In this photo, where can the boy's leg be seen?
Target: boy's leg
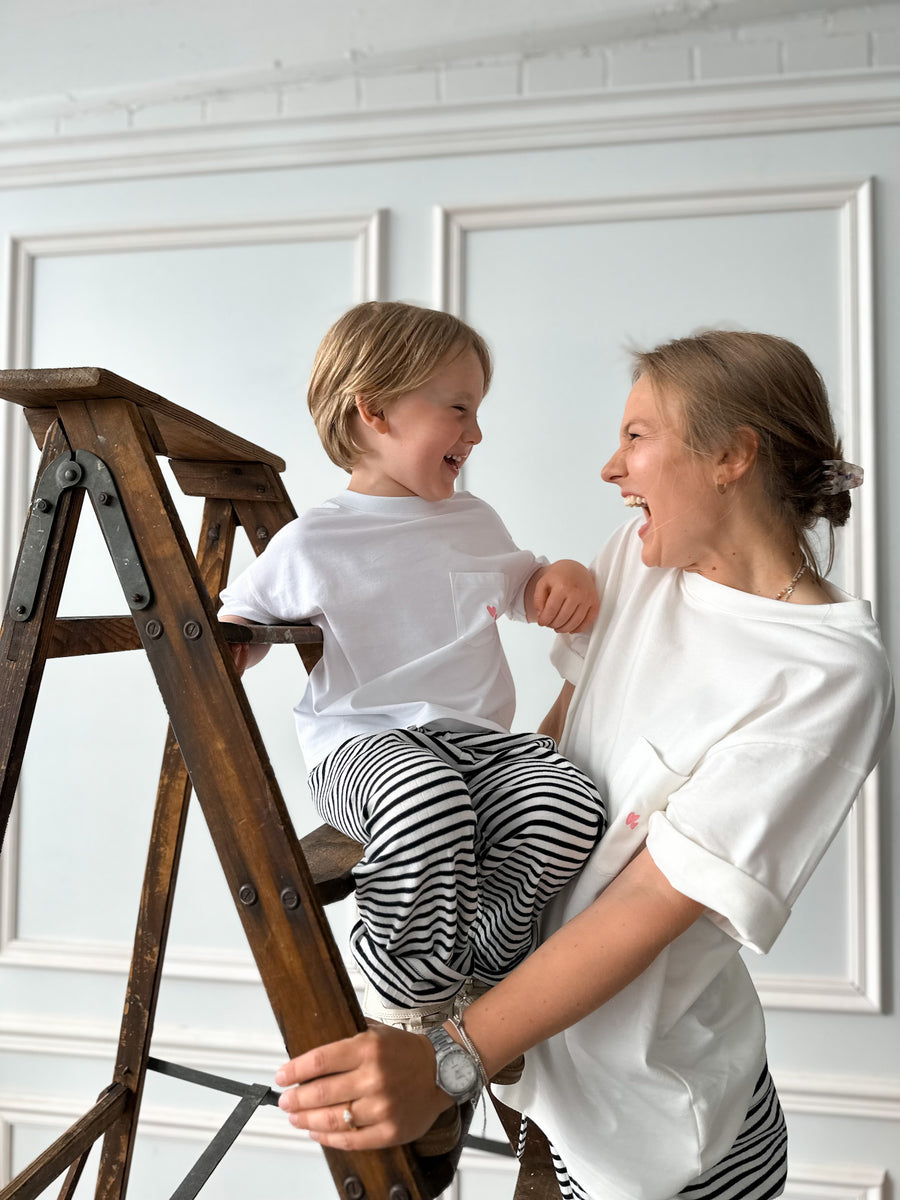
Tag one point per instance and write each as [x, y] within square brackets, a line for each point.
[416, 886]
[538, 819]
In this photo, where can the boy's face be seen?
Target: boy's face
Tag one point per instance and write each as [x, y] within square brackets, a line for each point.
[417, 446]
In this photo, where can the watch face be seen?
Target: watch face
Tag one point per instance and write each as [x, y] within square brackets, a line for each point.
[458, 1073]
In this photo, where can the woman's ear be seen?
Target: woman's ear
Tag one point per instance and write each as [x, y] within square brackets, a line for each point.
[740, 457]
[371, 419]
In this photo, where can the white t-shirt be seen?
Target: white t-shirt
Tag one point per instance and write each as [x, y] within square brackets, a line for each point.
[732, 733]
[407, 593]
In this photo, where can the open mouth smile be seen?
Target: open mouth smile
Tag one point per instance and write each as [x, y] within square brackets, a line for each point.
[633, 501]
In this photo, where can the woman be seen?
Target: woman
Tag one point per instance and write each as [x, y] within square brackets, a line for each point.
[729, 703]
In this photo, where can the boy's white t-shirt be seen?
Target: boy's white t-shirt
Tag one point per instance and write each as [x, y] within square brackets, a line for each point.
[407, 593]
[731, 733]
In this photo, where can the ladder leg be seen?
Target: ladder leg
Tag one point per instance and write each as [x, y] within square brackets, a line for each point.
[157, 897]
[144, 978]
[24, 645]
[300, 966]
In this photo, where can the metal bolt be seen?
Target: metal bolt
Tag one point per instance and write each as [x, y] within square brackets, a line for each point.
[290, 899]
[398, 1192]
[260, 489]
[21, 610]
[247, 895]
[191, 630]
[104, 498]
[70, 474]
[136, 598]
[41, 505]
[353, 1188]
[153, 629]
[262, 533]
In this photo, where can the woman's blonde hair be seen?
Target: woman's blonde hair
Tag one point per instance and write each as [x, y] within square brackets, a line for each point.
[381, 350]
[723, 381]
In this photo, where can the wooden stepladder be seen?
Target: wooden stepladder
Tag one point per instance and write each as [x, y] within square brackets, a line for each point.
[101, 435]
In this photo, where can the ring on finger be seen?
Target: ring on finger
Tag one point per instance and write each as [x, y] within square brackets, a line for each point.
[348, 1117]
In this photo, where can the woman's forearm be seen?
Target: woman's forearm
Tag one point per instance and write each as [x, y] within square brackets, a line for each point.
[584, 964]
[555, 720]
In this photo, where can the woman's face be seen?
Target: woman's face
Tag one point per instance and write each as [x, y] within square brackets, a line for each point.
[674, 486]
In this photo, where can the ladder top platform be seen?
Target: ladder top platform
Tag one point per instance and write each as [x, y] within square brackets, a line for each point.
[175, 432]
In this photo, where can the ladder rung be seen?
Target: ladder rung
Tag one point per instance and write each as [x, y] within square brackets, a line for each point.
[106, 635]
[304, 634]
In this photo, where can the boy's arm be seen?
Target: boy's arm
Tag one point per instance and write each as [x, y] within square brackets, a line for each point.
[245, 654]
[563, 596]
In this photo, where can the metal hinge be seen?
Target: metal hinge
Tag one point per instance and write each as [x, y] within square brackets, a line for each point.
[85, 470]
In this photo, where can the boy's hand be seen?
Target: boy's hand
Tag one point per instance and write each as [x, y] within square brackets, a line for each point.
[245, 654]
[563, 596]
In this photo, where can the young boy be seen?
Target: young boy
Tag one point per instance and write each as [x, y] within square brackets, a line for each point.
[468, 829]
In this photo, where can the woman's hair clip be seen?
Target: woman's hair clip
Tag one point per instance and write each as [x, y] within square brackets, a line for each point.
[839, 476]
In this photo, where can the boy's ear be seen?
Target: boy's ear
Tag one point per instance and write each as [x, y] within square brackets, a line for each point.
[372, 419]
[740, 457]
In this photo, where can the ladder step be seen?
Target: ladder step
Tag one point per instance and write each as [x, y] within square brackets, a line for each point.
[331, 857]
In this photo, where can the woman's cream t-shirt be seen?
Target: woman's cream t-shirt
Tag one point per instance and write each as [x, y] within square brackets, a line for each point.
[730, 733]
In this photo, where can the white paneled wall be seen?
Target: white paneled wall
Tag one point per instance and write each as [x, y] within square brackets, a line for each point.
[567, 199]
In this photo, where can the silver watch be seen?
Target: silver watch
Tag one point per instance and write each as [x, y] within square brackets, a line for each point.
[457, 1072]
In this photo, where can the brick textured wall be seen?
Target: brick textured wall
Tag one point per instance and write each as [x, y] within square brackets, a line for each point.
[856, 38]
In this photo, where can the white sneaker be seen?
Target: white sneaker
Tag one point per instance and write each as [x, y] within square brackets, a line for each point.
[425, 1016]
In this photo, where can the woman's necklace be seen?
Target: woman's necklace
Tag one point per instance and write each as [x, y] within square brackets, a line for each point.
[785, 593]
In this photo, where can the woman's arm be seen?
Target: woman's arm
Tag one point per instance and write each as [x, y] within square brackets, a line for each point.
[388, 1076]
[555, 720]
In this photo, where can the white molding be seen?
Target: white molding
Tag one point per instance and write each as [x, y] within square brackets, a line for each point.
[860, 991]
[194, 963]
[833, 1182]
[862, 1097]
[270, 1130]
[267, 1129]
[239, 1051]
[367, 232]
[848, 99]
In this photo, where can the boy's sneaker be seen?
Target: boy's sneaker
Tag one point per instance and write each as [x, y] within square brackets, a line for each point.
[470, 991]
[424, 1016]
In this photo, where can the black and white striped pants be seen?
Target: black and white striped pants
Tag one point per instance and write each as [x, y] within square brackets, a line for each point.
[755, 1168]
[467, 836]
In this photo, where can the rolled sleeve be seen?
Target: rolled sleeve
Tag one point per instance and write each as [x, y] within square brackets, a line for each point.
[739, 904]
[744, 833]
[567, 655]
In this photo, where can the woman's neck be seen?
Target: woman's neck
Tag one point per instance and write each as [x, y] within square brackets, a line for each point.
[760, 558]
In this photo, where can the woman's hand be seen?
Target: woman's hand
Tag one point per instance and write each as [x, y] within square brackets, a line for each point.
[384, 1078]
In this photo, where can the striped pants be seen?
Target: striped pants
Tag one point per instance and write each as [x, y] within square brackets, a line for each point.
[467, 836]
[755, 1168]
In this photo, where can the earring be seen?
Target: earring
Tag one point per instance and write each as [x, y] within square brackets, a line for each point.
[721, 487]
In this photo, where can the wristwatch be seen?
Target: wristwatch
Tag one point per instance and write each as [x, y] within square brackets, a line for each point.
[457, 1072]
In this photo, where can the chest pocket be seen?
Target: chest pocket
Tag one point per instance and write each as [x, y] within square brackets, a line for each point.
[479, 598]
[641, 786]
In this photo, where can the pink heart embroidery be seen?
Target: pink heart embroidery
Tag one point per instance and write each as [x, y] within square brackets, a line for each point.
[632, 820]
[492, 610]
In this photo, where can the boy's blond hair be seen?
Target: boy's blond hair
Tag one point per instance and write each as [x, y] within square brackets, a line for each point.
[380, 350]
